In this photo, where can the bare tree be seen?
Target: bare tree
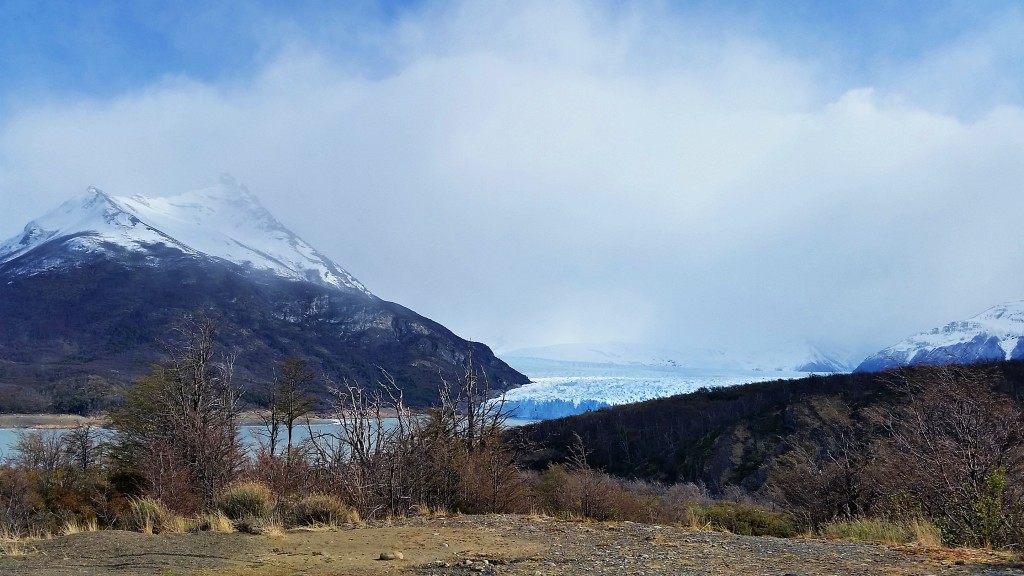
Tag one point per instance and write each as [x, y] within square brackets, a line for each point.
[366, 458]
[290, 400]
[477, 415]
[84, 445]
[178, 426]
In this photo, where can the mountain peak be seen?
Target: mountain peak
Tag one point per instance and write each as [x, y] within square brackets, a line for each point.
[223, 221]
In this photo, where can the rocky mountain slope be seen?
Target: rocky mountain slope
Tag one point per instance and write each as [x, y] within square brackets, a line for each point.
[89, 291]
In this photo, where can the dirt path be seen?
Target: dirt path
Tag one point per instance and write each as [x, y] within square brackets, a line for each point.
[514, 545]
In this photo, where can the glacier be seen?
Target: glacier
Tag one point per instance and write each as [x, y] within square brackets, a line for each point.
[561, 387]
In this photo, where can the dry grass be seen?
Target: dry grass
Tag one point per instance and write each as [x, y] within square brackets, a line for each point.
[150, 516]
[272, 528]
[321, 510]
[925, 533]
[13, 545]
[214, 522]
[247, 500]
[914, 531]
[75, 526]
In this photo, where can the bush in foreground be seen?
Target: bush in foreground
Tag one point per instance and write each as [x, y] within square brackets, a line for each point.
[750, 520]
[150, 516]
[247, 500]
[321, 510]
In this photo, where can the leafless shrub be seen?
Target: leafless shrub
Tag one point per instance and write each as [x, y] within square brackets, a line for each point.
[955, 449]
[384, 459]
[825, 473]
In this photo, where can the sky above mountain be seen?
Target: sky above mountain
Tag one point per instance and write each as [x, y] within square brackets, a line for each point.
[532, 173]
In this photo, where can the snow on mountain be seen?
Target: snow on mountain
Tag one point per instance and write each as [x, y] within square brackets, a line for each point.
[221, 221]
[569, 379]
[995, 334]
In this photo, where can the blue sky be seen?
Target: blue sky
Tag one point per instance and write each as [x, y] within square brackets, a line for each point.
[102, 48]
[675, 173]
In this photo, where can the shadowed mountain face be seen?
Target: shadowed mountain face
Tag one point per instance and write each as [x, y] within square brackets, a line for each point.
[89, 303]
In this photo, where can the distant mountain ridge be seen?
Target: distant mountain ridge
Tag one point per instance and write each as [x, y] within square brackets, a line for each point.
[995, 334]
[787, 356]
[88, 291]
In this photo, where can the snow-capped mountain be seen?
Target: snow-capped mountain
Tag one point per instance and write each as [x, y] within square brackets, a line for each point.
[222, 221]
[89, 291]
[995, 334]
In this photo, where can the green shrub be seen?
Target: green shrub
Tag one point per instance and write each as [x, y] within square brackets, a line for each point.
[247, 500]
[749, 520]
[321, 509]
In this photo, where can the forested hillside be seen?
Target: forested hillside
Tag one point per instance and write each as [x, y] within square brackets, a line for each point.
[943, 441]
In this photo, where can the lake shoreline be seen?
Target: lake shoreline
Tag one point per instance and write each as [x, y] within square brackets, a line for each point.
[53, 421]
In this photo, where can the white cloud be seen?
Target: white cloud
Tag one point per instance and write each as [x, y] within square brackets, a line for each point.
[536, 173]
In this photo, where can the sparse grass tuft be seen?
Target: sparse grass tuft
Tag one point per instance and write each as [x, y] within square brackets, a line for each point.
[13, 545]
[259, 526]
[214, 522]
[425, 511]
[914, 531]
[150, 516]
[75, 526]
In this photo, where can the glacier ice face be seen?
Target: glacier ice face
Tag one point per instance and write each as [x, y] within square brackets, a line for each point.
[563, 387]
[221, 221]
[532, 409]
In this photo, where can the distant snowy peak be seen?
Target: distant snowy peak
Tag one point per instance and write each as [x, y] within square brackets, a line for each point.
[995, 334]
[788, 356]
[222, 221]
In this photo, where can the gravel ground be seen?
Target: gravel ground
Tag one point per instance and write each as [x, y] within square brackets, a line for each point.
[648, 550]
[488, 545]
